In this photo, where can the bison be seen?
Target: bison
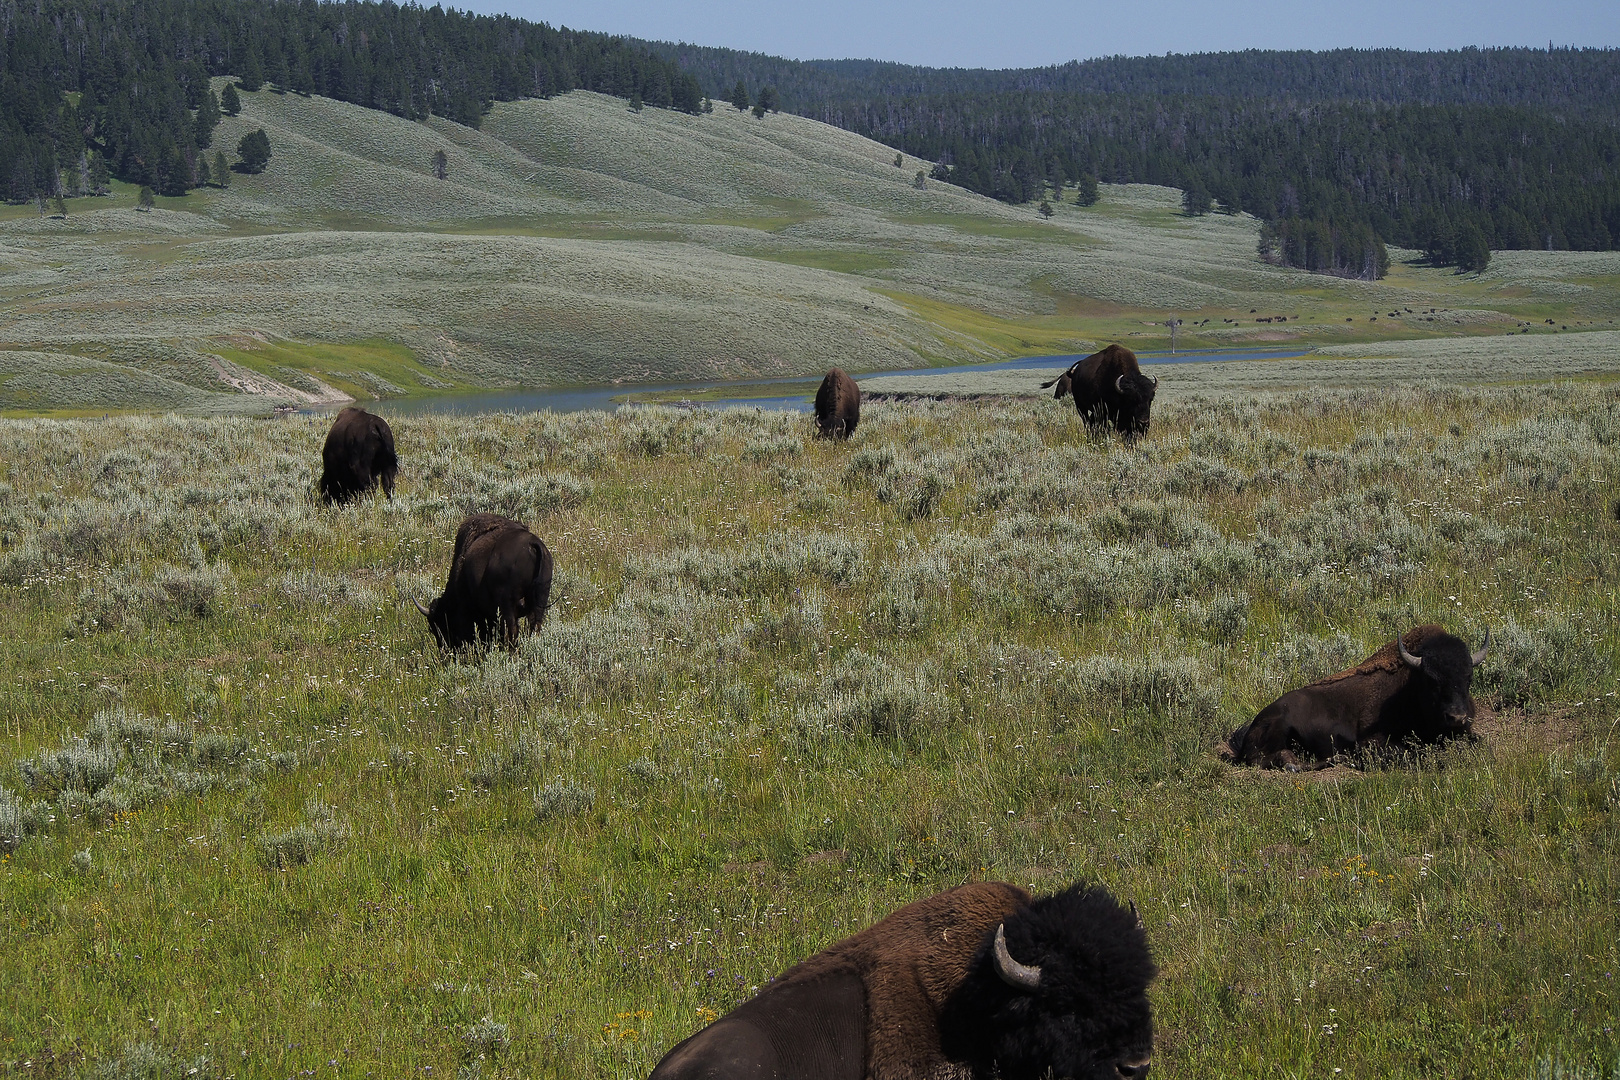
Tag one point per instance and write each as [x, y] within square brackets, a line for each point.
[981, 981]
[1415, 689]
[499, 570]
[838, 405]
[358, 455]
[1109, 387]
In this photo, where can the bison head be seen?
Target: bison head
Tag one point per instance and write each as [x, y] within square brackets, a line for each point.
[449, 632]
[1446, 668]
[1133, 393]
[1059, 989]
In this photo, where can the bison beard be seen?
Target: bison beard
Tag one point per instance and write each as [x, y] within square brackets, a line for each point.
[1109, 388]
[358, 455]
[499, 570]
[1413, 690]
[977, 982]
[838, 405]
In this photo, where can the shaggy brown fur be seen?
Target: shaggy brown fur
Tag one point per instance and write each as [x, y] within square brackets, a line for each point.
[838, 405]
[911, 962]
[1109, 388]
[358, 455]
[499, 572]
[1380, 702]
[917, 996]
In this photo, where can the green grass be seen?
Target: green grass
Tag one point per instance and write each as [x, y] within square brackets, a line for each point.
[361, 369]
[253, 817]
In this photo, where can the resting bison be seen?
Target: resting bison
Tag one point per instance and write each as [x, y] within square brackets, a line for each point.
[499, 570]
[838, 405]
[1109, 387]
[1412, 690]
[936, 991]
[359, 454]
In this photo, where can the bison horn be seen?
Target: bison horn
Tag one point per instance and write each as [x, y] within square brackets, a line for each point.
[1155, 380]
[1411, 661]
[420, 607]
[1011, 971]
[1117, 383]
[1479, 657]
[1137, 915]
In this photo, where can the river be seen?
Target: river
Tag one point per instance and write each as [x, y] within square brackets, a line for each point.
[713, 392]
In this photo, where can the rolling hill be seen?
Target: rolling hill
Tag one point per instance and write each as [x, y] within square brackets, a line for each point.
[576, 241]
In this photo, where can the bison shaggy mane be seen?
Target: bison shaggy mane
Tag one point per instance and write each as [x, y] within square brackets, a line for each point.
[1088, 1017]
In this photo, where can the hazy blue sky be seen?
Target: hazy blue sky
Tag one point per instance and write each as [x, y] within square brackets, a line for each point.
[1036, 32]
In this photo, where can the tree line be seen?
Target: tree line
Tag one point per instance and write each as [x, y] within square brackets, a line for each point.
[1584, 82]
[123, 85]
[1339, 152]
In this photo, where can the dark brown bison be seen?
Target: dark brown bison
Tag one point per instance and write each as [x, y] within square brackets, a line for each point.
[499, 570]
[838, 405]
[1413, 690]
[1109, 388]
[358, 455]
[976, 982]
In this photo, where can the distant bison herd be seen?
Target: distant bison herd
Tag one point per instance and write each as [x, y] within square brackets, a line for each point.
[984, 981]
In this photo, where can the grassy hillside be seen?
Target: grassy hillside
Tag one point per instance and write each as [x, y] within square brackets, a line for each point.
[254, 825]
[576, 241]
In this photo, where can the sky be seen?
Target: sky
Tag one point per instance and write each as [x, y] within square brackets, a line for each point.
[1033, 33]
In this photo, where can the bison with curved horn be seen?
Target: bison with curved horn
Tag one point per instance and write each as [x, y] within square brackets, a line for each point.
[358, 455]
[499, 571]
[838, 405]
[1413, 690]
[981, 981]
[1109, 388]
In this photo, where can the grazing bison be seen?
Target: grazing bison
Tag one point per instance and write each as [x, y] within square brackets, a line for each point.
[358, 455]
[978, 982]
[1412, 690]
[499, 570]
[1109, 387]
[838, 405]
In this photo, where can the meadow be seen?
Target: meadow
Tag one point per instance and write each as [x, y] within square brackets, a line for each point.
[577, 242]
[255, 825]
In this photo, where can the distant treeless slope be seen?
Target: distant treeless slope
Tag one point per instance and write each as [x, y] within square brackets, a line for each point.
[573, 240]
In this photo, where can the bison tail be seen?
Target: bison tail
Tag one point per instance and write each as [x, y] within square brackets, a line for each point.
[1050, 383]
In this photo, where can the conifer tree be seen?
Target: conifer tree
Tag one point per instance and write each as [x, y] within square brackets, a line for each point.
[230, 103]
[254, 150]
[221, 171]
[1087, 195]
[144, 200]
[206, 120]
[739, 96]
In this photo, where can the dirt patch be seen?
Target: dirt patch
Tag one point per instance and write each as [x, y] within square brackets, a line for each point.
[1557, 727]
[754, 871]
[246, 381]
[831, 857]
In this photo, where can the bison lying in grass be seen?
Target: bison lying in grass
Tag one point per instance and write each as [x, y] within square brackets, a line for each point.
[981, 981]
[1413, 690]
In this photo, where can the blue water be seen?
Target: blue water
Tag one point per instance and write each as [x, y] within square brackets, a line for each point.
[578, 398]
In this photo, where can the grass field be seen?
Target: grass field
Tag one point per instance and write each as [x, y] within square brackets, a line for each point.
[254, 825]
[576, 242]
